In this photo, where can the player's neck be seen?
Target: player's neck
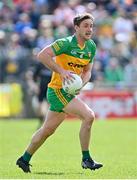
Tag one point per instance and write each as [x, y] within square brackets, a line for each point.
[81, 41]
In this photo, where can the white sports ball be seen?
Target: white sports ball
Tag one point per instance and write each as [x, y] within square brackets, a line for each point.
[72, 86]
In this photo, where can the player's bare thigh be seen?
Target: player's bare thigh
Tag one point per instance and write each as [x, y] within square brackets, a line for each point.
[53, 120]
[79, 108]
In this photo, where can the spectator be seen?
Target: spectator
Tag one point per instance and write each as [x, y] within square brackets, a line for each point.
[22, 23]
[113, 72]
[130, 73]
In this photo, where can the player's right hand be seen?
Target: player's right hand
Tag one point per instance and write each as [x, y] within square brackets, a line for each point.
[66, 75]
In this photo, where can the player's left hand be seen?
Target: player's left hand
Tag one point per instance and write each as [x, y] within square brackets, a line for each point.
[77, 92]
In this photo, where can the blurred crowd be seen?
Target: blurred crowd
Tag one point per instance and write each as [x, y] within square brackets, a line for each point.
[26, 26]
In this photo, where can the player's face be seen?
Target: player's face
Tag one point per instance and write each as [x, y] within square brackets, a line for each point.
[85, 29]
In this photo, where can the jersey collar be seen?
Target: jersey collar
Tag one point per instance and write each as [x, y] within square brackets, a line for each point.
[75, 43]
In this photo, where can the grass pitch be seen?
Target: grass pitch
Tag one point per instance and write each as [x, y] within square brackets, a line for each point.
[114, 143]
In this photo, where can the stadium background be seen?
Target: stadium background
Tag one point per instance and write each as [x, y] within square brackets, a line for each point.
[26, 26]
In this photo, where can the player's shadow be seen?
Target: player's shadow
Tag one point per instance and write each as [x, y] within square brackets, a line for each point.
[50, 173]
[56, 173]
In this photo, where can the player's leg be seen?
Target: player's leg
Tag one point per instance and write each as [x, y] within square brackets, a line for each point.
[76, 106]
[79, 108]
[53, 120]
[42, 111]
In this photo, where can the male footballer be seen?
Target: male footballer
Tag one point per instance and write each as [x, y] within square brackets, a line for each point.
[71, 54]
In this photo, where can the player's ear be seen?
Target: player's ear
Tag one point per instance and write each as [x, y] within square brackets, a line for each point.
[76, 27]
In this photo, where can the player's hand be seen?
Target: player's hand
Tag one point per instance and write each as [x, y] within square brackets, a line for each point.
[66, 75]
[77, 92]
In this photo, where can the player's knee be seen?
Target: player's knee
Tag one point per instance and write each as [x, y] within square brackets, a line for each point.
[90, 118]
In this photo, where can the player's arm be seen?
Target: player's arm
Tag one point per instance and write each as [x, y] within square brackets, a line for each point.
[86, 74]
[46, 56]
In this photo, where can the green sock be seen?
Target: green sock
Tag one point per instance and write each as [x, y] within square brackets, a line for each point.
[26, 156]
[85, 155]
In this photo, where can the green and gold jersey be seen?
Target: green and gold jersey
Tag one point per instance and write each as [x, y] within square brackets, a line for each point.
[70, 56]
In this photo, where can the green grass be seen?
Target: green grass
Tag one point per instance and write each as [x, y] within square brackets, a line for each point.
[114, 143]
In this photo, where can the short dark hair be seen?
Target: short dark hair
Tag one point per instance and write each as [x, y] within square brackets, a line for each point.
[79, 18]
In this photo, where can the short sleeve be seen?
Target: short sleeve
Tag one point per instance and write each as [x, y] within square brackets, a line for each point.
[60, 46]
